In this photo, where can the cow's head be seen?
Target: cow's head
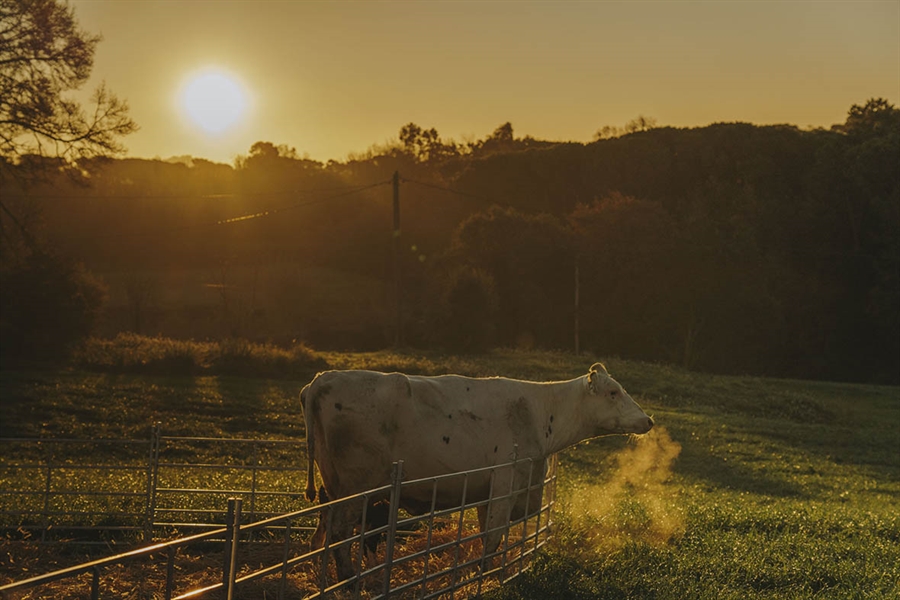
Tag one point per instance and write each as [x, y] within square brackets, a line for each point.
[612, 409]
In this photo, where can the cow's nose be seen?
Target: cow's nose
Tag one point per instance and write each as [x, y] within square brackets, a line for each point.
[649, 423]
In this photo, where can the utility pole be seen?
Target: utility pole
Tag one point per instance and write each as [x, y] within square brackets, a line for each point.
[577, 302]
[398, 315]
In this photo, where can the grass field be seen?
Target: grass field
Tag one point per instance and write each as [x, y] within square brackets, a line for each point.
[748, 487]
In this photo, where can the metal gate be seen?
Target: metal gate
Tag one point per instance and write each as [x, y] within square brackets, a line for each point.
[444, 554]
[89, 490]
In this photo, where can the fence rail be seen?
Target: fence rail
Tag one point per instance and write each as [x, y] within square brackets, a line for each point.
[57, 487]
[443, 554]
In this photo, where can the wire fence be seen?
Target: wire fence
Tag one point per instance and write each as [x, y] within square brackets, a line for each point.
[90, 490]
[432, 554]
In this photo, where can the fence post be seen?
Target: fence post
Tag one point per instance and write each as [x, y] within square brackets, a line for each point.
[254, 466]
[396, 480]
[152, 473]
[282, 585]
[95, 583]
[170, 572]
[459, 530]
[45, 514]
[232, 537]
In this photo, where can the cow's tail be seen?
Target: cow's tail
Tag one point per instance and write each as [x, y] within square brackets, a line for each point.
[310, 447]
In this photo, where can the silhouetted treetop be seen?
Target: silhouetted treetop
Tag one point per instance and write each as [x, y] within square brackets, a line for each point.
[876, 116]
[43, 55]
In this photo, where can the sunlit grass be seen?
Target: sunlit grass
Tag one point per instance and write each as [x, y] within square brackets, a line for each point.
[130, 353]
[781, 489]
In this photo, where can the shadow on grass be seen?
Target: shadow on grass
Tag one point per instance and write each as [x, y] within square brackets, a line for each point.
[732, 475]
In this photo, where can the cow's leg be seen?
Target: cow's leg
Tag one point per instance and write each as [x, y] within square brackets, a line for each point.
[377, 515]
[495, 525]
[530, 499]
[494, 517]
[318, 538]
[341, 530]
[508, 497]
[342, 524]
[343, 518]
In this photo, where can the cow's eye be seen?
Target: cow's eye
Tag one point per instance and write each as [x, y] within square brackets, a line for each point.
[613, 393]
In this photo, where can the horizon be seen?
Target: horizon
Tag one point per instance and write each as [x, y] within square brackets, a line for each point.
[335, 79]
[184, 158]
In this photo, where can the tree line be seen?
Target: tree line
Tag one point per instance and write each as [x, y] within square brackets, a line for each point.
[729, 248]
[732, 247]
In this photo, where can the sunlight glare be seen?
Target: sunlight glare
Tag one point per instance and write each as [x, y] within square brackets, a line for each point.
[214, 101]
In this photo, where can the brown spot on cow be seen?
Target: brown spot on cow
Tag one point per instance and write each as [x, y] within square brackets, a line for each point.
[525, 432]
[519, 417]
[320, 392]
[340, 431]
[315, 400]
[470, 415]
[388, 428]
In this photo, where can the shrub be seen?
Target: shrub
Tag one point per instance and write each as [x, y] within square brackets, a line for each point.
[240, 357]
[131, 353]
[466, 311]
[47, 305]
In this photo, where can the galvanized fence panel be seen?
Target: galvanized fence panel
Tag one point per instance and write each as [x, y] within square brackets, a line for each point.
[268, 474]
[45, 488]
[424, 556]
[91, 490]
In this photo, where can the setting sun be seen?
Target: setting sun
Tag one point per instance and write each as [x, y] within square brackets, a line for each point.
[214, 101]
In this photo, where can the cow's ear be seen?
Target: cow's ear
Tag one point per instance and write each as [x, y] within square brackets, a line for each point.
[599, 368]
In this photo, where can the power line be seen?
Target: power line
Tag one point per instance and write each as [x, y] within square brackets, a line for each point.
[172, 196]
[274, 211]
[248, 217]
[444, 189]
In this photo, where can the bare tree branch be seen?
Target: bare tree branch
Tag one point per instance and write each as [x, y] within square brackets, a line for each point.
[43, 56]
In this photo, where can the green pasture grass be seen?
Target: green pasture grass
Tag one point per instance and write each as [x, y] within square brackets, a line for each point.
[748, 487]
[762, 488]
[77, 404]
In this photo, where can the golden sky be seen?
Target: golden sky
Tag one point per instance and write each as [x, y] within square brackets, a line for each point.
[334, 77]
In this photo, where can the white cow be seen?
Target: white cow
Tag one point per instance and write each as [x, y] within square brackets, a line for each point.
[358, 423]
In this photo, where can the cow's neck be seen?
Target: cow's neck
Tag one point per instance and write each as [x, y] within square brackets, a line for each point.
[564, 422]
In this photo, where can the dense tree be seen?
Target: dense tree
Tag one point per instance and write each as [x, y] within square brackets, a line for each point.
[47, 302]
[869, 194]
[43, 56]
[730, 248]
[629, 269]
[463, 310]
[529, 257]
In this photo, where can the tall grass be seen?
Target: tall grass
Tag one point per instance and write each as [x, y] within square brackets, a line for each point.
[130, 353]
